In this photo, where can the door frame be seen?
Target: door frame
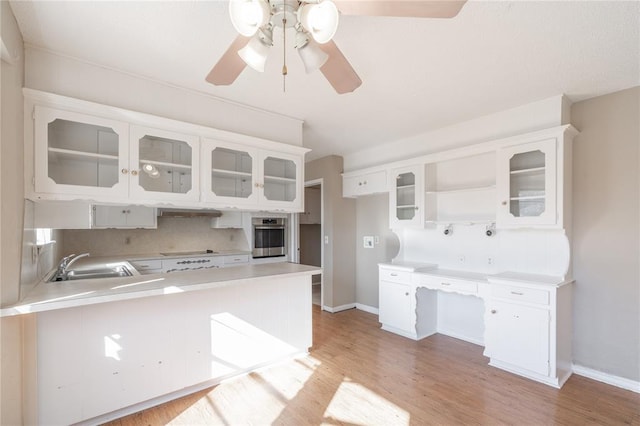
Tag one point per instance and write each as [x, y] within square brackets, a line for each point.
[308, 183]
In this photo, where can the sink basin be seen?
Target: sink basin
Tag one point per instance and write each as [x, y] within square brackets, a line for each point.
[90, 274]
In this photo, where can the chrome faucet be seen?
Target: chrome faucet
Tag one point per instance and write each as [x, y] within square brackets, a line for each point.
[65, 263]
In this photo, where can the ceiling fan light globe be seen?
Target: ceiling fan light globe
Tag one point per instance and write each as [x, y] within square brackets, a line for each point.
[320, 20]
[255, 53]
[312, 56]
[247, 16]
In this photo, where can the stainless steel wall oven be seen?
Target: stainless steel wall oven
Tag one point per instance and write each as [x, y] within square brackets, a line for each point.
[269, 237]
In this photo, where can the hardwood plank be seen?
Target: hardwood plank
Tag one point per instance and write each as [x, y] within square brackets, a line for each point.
[359, 374]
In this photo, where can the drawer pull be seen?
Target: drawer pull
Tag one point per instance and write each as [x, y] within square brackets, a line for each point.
[394, 274]
[493, 311]
[517, 293]
[445, 284]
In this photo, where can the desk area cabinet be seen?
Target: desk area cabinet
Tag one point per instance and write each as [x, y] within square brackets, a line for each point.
[527, 318]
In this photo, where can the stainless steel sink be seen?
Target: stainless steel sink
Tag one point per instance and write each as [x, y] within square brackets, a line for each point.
[90, 274]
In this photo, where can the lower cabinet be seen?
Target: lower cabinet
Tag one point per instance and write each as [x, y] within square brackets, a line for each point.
[528, 330]
[519, 335]
[396, 307]
[527, 318]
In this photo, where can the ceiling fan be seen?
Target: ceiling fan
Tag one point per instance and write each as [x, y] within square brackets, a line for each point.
[314, 22]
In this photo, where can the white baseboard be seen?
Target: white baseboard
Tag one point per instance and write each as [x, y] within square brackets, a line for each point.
[335, 309]
[609, 379]
[367, 308]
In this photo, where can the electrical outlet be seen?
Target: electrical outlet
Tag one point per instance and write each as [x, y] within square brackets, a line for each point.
[368, 242]
[489, 261]
[326, 239]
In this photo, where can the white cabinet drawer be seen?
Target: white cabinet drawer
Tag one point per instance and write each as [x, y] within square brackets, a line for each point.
[520, 294]
[236, 259]
[448, 284]
[395, 276]
[146, 265]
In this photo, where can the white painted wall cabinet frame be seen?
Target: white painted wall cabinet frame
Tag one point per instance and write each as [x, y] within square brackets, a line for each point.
[110, 169]
[540, 192]
[229, 174]
[164, 165]
[66, 166]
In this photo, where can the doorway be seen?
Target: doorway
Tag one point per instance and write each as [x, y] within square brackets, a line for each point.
[310, 235]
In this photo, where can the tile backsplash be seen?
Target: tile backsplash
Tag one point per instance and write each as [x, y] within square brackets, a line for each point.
[173, 234]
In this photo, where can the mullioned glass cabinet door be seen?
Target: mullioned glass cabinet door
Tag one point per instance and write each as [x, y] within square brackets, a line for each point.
[80, 154]
[229, 173]
[164, 165]
[406, 198]
[527, 184]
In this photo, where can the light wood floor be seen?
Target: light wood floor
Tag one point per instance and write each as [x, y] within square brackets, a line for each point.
[357, 374]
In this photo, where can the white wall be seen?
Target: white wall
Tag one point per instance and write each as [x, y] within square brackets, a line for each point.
[11, 206]
[82, 80]
[372, 219]
[606, 227]
[339, 226]
[539, 115]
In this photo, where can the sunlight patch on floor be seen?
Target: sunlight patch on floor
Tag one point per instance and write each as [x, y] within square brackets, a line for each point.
[264, 395]
[354, 404]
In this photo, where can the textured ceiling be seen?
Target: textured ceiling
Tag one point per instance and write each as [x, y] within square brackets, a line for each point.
[418, 74]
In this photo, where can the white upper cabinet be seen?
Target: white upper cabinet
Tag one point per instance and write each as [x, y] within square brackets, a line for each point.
[229, 174]
[355, 185]
[281, 178]
[527, 184]
[164, 165]
[78, 150]
[238, 176]
[79, 154]
[124, 217]
[406, 206]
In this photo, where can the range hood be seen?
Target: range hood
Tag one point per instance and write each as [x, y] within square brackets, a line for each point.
[188, 213]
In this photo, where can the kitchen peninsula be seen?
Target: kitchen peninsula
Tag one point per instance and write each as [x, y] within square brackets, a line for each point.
[107, 347]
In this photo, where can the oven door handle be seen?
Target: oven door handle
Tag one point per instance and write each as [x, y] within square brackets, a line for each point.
[268, 227]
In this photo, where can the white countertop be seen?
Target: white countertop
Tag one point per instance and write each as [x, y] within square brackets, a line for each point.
[453, 273]
[66, 294]
[499, 278]
[408, 266]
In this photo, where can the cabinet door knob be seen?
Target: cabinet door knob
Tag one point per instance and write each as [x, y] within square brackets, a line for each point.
[365, 182]
[504, 203]
[416, 207]
[125, 171]
[359, 183]
[493, 311]
[406, 294]
[134, 172]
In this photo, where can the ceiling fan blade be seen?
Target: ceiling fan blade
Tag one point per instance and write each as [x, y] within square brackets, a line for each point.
[338, 70]
[401, 8]
[230, 65]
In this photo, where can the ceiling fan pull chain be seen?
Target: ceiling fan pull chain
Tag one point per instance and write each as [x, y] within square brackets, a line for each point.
[284, 55]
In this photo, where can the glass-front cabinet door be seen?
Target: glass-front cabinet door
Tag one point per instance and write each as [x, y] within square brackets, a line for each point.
[527, 184]
[406, 198]
[80, 154]
[229, 174]
[164, 165]
[280, 185]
